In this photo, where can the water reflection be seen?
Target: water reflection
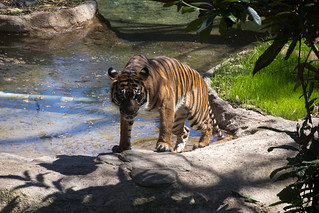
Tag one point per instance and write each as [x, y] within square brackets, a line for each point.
[75, 65]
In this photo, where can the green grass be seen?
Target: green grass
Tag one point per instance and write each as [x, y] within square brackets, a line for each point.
[271, 89]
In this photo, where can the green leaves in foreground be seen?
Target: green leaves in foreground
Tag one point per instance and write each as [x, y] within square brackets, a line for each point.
[303, 194]
[269, 55]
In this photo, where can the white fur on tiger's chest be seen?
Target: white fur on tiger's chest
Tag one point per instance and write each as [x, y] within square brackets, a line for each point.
[145, 112]
[180, 103]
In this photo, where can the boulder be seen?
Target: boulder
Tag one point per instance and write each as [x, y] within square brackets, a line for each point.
[48, 23]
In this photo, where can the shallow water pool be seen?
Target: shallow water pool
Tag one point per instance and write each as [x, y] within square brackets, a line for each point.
[75, 65]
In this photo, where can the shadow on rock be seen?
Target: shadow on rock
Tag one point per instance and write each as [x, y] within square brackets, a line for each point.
[138, 181]
[72, 165]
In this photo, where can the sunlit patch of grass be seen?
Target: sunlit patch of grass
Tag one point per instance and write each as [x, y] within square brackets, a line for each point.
[271, 89]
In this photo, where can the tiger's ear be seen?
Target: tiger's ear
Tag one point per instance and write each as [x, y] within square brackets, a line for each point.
[144, 73]
[112, 73]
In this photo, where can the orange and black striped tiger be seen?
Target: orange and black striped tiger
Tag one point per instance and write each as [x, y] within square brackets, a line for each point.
[166, 88]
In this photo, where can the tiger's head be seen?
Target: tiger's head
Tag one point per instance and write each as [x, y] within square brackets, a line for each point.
[128, 91]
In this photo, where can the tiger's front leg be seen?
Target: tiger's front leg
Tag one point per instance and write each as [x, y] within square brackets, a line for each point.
[166, 125]
[125, 136]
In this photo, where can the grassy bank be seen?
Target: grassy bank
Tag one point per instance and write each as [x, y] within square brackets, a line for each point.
[271, 89]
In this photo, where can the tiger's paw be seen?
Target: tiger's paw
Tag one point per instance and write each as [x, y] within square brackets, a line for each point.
[163, 147]
[179, 147]
[118, 149]
[199, 145]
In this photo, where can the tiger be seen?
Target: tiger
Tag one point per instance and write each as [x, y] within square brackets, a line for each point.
[166, 88]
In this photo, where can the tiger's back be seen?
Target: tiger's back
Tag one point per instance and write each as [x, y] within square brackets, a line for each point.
[176, 93]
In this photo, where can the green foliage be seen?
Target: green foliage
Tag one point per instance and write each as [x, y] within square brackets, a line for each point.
[303, 194]
[272, 90]
[229, 11]
[297, 22]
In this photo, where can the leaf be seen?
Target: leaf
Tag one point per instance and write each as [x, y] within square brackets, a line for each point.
[232, 18]
[241, 13]
[203, 35]
[169, 4]
[269, 55]
[286, 176]
[228, 14]
[301, 68]
[301, 171]
[290, 194]
[202, 3]
[187, 10]
[311, 101]
[310, 90]
[291, 48]
[206, 23]
[194, 24]
[277, 203]
[311, 162]
[253, 14]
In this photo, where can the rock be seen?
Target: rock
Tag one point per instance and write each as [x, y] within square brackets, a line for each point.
[28, 3]
[2, 6]
[160, 177]
[147, 159]
[45, 24]
[109, 158]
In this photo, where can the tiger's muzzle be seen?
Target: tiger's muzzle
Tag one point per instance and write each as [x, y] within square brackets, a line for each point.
[129, 109]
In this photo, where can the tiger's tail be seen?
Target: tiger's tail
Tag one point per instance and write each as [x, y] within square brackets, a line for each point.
[216, 128]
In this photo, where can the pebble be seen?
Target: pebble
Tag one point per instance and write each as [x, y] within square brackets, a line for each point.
[2, 6]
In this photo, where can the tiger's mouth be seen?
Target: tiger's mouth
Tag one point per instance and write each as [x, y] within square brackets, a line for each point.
[129, 109]
[128, 117]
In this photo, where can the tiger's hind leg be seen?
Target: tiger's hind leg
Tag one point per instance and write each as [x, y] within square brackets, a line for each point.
[205, 136]
[180, 130]
[182, 138]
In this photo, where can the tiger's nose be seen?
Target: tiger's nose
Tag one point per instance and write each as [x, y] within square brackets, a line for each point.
[129, 108]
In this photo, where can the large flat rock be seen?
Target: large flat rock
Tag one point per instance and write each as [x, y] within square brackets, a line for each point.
[142, 180]
[48, 23]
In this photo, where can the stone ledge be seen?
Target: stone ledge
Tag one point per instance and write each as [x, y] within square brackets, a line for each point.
[48, 23]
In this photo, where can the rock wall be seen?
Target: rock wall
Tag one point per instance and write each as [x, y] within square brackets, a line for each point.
[48, 23]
